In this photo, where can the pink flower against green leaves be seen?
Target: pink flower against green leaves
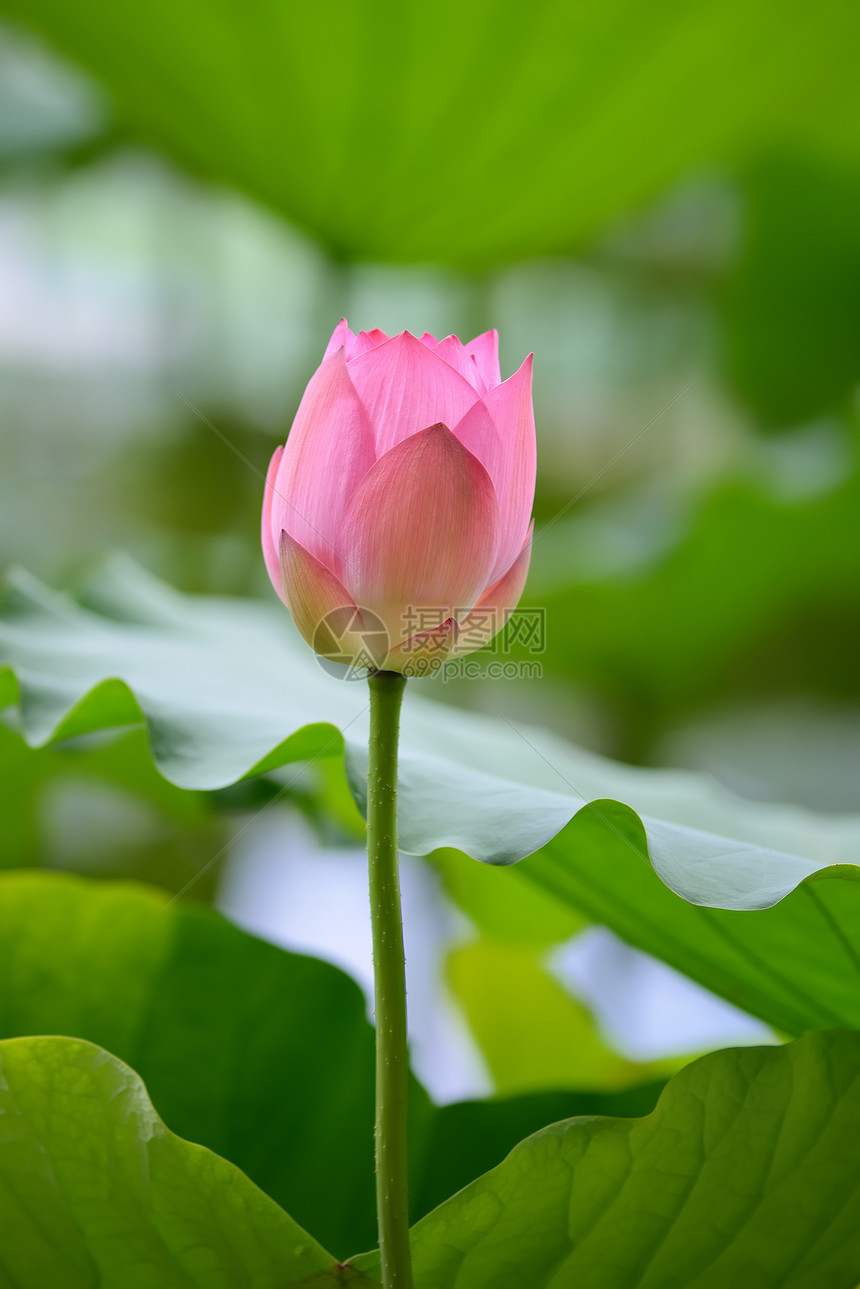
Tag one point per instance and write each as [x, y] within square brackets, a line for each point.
[401, 504]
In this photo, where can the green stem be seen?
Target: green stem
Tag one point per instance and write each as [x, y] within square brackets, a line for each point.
[389, 979]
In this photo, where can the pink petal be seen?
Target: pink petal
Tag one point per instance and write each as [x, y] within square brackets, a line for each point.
[455, 355]
[423, 654]
[419, 535]
[322, 609]
[405, 387]
[341, 338]
[270, 549]
[500, 432]
[429, 340]
[329, 450]
[484, 352]
[477, 362]
[366, 340]
[496, 605]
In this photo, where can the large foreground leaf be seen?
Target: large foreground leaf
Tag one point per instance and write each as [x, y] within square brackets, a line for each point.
[264, 1056]
[226, 690]
[463, 1140]
[477, 134]
[242, 1046]
[746, 1174]
[95, 1192]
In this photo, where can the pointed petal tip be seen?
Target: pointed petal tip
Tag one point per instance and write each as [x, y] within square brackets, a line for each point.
[335, 357]
[341, 338]
[524, 369]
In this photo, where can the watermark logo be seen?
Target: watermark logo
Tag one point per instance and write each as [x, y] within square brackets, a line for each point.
[487, 631]
[350, 642]
[477, 667]
[526, 628]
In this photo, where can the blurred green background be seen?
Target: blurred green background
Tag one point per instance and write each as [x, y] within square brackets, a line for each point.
[662, 202]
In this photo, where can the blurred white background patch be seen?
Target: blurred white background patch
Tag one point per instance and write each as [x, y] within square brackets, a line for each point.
[280, 884]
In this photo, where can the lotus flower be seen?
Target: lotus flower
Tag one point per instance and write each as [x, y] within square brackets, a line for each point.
[396, 519]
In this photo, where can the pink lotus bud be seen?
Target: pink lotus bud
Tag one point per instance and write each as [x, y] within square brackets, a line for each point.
[396, 519]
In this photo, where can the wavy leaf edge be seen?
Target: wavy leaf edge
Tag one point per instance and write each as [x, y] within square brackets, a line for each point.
[47, 717]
